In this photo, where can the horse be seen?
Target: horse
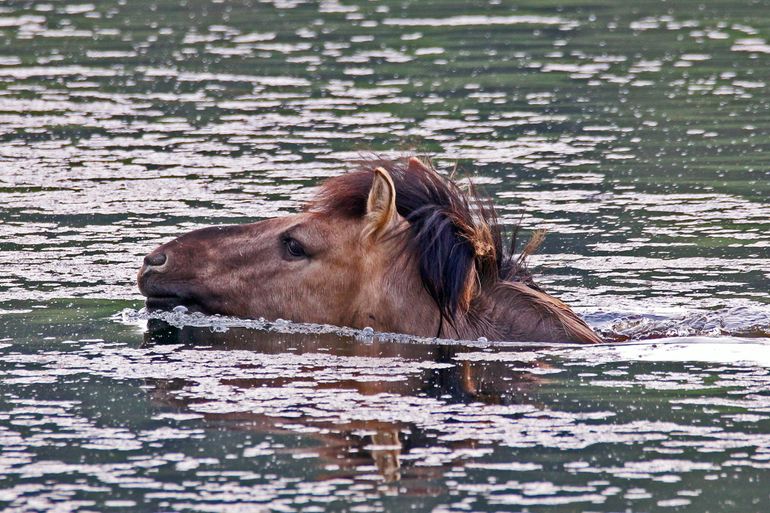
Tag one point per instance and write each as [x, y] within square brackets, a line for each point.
[392, 245]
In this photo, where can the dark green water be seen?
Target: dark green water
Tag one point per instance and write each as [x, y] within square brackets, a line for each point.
[638, 133]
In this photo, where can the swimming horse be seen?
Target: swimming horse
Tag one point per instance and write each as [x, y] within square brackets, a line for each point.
[392, 245]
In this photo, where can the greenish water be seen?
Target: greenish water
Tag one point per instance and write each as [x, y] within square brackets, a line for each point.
[638, 134]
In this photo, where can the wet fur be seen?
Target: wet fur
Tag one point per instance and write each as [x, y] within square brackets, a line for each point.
[457, 241]
[392, 244]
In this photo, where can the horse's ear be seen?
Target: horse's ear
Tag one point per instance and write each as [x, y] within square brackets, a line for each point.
[381, 213]
[416, 165]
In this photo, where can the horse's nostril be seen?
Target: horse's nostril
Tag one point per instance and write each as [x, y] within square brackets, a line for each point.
[155, 260]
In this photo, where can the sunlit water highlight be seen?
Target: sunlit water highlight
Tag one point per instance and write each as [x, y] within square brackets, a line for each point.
[220, 410]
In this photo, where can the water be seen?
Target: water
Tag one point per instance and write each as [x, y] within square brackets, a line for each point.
[638, 134]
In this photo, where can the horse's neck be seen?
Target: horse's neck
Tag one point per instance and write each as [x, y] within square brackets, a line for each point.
[514, 311]
[405, 308]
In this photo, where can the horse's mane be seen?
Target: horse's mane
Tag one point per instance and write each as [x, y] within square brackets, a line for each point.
[454, 234]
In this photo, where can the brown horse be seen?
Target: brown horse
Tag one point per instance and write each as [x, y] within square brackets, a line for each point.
[393, 245]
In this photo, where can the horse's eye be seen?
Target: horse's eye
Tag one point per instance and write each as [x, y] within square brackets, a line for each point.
[294, 248]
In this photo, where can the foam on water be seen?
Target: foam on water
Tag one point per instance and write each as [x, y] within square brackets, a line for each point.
[729, 326]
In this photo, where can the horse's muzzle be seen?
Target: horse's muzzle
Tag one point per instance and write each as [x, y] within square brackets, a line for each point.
[148, 279]
[162, 291]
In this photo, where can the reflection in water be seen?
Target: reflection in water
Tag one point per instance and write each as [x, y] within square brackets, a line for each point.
[329, 369]
[201, 418]
[204, 416]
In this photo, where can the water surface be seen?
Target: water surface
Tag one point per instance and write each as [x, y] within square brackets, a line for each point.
[637, 134]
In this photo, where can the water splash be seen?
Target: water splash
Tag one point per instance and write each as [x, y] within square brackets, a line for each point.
[741, 322]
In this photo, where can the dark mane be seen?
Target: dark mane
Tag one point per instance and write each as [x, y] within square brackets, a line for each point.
[454, 234]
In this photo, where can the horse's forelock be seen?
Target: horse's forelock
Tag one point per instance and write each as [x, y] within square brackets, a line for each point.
[454, 236]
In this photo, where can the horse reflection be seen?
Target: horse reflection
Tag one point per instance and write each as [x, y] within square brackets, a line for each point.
[353, 444]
